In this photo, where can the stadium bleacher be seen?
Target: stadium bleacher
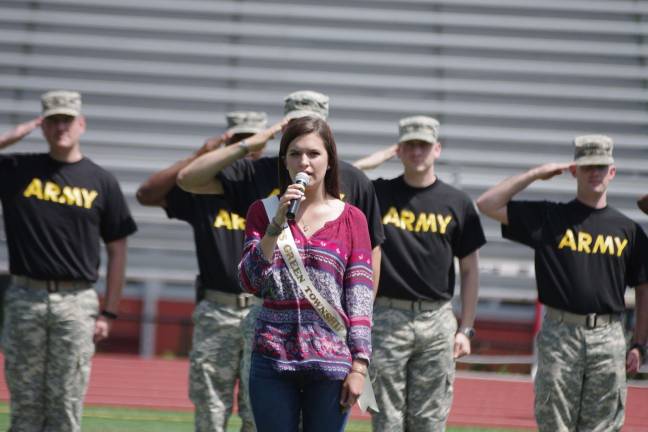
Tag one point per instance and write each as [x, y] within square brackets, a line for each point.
[512, 82]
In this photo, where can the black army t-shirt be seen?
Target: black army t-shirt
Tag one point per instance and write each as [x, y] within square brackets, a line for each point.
[56, 212]
[218, 233]
[584, 257]
[425, 228]
[246, 181]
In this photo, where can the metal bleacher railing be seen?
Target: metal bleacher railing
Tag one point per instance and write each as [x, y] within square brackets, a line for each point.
[512, 81]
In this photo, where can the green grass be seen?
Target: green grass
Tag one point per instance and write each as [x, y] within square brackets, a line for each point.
[97, 419]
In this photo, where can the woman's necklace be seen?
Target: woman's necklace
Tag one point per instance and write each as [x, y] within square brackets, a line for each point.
[304, 226]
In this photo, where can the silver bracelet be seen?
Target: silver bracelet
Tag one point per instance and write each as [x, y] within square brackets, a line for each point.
[362, 371]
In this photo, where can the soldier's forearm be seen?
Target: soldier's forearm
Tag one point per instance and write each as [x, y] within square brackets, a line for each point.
[19, 132]
[204, 169]
[641, 309]
[376, 159]
[376, 258]
[155, 189]
[116, 266]
[469, 288]
[493, 202]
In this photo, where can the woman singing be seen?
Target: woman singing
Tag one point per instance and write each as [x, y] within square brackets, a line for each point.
[301, 367]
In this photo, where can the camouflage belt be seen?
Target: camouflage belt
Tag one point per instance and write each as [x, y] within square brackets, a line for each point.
[589, 321]
[241, 301]
[51, 286]
[410, 305]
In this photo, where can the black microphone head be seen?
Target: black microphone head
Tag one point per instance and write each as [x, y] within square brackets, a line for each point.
[302, 178]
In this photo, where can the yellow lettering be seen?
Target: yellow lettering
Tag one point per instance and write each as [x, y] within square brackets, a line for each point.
[603, 245]
[391, 217]
[407, 217]
[35, 188]
[584, 241]
[443, 223]
[568, 240]
[426, 222]
[620, 245]
[223, 219]
[71, 196]
[51, 192]
[88, 197]
[238, 222]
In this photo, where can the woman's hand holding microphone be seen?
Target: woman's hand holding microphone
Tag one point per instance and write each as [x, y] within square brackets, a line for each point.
[288, 204]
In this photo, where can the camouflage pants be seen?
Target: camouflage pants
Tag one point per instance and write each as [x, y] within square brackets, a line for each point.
[216, 361]
[581, 383]
[247, 327]
[412, 368]
[48, 346]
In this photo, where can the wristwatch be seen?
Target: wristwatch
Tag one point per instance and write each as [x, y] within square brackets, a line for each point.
[469, 332]
[108, 314]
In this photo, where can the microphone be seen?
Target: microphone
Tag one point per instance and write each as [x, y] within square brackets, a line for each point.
[301, 178]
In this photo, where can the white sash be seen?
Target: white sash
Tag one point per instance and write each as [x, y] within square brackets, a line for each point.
[295, 265]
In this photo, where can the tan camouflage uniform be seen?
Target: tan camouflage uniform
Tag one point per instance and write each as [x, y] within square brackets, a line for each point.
[247, 328]
[564, 400]
[216, 358]
[44, 335]
[221, 346]
[416, 397]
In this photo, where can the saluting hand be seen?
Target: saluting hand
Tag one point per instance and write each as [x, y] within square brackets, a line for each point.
[19, 132]
[550, 170]
[258, 141]
[643, 203]
[214, 142]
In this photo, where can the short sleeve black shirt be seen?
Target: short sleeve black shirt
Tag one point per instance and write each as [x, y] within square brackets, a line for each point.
[218, 234]
[425, 229]
[584, 257]
[55, 213]
[246, 181]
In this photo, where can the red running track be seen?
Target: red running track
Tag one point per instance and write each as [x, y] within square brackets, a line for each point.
[488, 400]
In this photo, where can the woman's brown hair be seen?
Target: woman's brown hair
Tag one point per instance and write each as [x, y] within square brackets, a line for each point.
[304, 126]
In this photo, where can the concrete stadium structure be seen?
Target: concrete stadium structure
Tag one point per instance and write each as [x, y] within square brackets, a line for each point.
[511, 81]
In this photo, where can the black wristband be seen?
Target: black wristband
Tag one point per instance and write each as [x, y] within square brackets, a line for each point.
[641, 348]
[108, 314]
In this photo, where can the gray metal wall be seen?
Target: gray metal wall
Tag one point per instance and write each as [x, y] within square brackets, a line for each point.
[512, 81]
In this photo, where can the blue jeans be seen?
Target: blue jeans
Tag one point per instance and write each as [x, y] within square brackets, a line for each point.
[279, 399]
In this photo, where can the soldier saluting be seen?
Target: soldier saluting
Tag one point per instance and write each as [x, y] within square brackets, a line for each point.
[57, 206]
[586, 253]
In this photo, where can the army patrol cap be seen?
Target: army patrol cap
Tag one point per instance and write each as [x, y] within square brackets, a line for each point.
[422, 128]
[246, 122]
[306, 103]
[61, 102]
[593, 150]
